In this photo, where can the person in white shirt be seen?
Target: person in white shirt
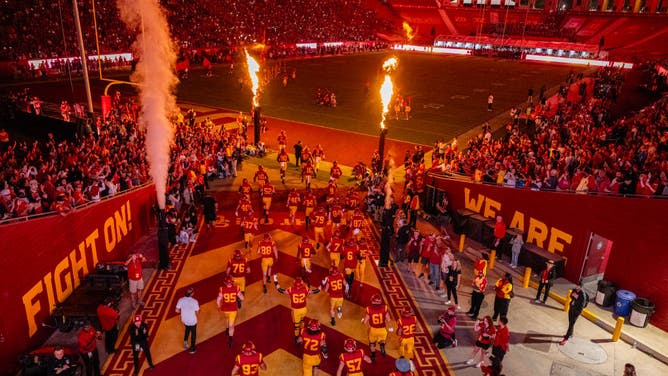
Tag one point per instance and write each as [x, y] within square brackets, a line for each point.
[188, 307]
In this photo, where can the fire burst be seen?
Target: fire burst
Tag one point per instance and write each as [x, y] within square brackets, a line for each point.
[253, 73]
[387, 89]
[409, 31]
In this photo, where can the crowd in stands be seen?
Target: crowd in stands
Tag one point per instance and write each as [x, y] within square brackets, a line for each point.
[60, 175]
[580, 148]
[45, 29]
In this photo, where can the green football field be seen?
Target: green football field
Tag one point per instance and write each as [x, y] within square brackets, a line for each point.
[449, 93]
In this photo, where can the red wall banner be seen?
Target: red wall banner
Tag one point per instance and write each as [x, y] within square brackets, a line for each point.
[562, 223]
[43, 260]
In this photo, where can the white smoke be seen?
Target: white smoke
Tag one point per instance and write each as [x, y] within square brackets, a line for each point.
[155, 73]
[389, 185]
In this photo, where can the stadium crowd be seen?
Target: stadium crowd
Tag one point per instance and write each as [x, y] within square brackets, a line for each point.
[580, 148]
[210, 24]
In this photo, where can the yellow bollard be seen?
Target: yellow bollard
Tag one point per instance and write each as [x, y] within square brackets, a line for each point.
[567, 301]
[527, 277]
[618, 329]
[492, 258]
[462, 239]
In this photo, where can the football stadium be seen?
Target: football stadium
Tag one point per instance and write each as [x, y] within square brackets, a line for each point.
[361, 187]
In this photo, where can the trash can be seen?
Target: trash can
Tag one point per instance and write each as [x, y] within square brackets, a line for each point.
[623, 302]
[605, 293]
[641, 312]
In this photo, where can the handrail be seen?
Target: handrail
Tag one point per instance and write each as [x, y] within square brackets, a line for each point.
[26, 218]
[462, 177]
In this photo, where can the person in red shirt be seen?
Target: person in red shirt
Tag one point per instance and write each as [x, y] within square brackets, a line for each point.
[108, 318]
[313, 343]
[229, 296]
[334, 248]
[88, 349]
[304, 252]
[238, 268]
[319, 221]
[335, 172]
[350, 258]
[336, 286]
[499, 348]
[351, 360]
[485, 331]
[293, 203]
[135, 278]
[298, 293]
[377, 316]
[249, 362]
[425, 252]
[499, 232]
[406, 327]
[249, 227]
[310, 203]
[446, 335]
[268, 252]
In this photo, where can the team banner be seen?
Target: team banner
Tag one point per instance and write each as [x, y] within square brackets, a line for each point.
[44, 259]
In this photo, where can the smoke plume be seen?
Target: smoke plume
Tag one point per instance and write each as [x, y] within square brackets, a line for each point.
[156, 76]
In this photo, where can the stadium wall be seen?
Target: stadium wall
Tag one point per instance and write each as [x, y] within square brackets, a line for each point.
[44, 259]
[562, 223]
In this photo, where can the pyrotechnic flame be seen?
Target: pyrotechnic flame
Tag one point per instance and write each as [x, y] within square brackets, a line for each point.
[253, 73]
[409, 31]
[387, 89]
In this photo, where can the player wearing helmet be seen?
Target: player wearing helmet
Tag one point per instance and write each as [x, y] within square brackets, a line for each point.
[228, 296]
[249, 362]
[283, 160]
[319, 221]
[350, 253]
[336, 286]
[298, 293]
[352, 203]
[260, 177]
[310, 203]
[267, 191]
[356, 223]
[267, 251]
[249, 227]
[305, 250]
[335, 172]
[293, 203]
[313, 342]
[307, 173]
[406, 331]
[364, 252]
[351, 359]
[245, 189]
[238, 268]
[334, 247]
[377, 315]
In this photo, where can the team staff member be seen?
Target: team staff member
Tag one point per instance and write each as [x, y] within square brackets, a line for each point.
[229, 295]
[546, 276]
[406, 331]
[319, 220]
[351, 360]
[108, 317]
[313, 341]
[267, 251]
[86, 339]
[244, 208]
[238, 268]
[135, 278]
[249, 228]
[578, 302]
[249, 362]
[298, 293]
[335, 215]
[336, 286]
[188, 307]
[377, 316]
[139, 340]
[334, 248]
[293, 203]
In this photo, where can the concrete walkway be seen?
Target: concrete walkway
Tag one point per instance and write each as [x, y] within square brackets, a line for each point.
[536, 329]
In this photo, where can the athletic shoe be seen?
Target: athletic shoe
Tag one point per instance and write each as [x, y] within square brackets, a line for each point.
[478, 365]
[339, 312]
[421, 275]
[563, 342]
[193, 351]
[332, 321]
[264, 288]
[448, 302]
[454, 343]
[185, 344]
[470, 361]
[382, 349]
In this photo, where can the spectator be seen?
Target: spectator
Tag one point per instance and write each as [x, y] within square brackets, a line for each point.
[446, 336]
